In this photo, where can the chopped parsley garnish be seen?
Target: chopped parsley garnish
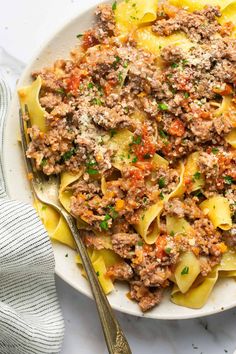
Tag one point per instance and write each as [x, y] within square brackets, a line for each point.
[136, 140]
[113, 213]
[90, 85]
[162, 182]
[135, 159]
[104, 223]
[113, 132]
[162, 196]
[186, 95]
[114, 6]
[60, 91]
[184, 62]
[120, 77]
[140, 243]
[91, 163]
[172, 233]
[163, 106]
[215, 151]
[197, 175]
[66, 255]
[67, 155]
[168, 250]
[79, 35]
[163, 135]
[43, 162]
[185, 270]
[228, 179]
[92, 171]
[97, 101]
[174, 65]
[98, 273]
[116, 61]
[126, 63]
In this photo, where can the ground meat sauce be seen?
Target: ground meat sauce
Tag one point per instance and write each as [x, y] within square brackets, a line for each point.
[91, 97]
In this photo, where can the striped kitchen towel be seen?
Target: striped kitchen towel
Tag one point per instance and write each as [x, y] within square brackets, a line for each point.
[30, 316]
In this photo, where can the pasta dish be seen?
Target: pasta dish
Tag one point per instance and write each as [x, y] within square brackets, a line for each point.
[140, 125]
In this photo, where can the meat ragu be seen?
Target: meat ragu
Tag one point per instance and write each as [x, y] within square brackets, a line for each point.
[150, 132]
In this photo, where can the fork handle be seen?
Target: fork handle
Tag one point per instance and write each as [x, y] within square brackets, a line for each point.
[114, 336]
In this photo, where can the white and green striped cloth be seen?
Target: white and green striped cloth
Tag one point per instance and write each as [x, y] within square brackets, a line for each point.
[30, 315]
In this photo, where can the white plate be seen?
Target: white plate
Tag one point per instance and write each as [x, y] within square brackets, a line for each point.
[224, 294]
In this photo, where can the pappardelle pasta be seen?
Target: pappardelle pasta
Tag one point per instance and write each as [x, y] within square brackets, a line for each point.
[140, 124]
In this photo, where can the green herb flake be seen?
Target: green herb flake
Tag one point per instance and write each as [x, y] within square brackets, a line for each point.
[44, 207]
[135, 159]
[43, 162]
[163, 106]
[163, 135]
[174, 65]
[92, 171]
[168, 250]
[215, 151]
[104, 223]
[197, 176]
[98, 273]
[66, 255]
[97, 101]
[120, 77]
[79, 35]
[186, 95]
[184, 62]
[172, 233]
[185, 270]
[60, 91]
[161, 182]
[114, 6]
[228, 179]
[67, 155]
[126, 63]
[90, 85]
[162, 196]
[113, 132]
[137, 140]
[140, 243]
[91, 163]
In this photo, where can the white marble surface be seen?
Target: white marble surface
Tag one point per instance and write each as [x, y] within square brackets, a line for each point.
[24, 26]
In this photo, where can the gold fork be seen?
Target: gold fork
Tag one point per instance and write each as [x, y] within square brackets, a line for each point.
[46, 190]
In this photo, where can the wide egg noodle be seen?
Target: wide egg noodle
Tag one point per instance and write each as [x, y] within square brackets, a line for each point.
[55, 224]
[148, 225]
[186, 271]
[175, 225]
[29, 96]
[131, 14]
[229, 15]
[198, 295]
[101, 261]
[147, 39]
[217, 209]
[191, 168]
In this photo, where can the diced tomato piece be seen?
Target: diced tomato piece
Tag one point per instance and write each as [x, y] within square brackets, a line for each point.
[89, 40]
[225, 90]
[160, 246]
[73, 83]
[177, 128]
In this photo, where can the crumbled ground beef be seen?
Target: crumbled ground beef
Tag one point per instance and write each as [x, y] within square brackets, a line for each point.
[124, 244]
[146, 297]
[120, 271]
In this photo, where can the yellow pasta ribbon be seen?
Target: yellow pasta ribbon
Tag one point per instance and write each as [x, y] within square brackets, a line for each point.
[191, 172]
[29, 96]
[131, 14]
[187, 271]
[147, 39]
[218, 210]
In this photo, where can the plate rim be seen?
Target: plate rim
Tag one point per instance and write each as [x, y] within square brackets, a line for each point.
[14, 101]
